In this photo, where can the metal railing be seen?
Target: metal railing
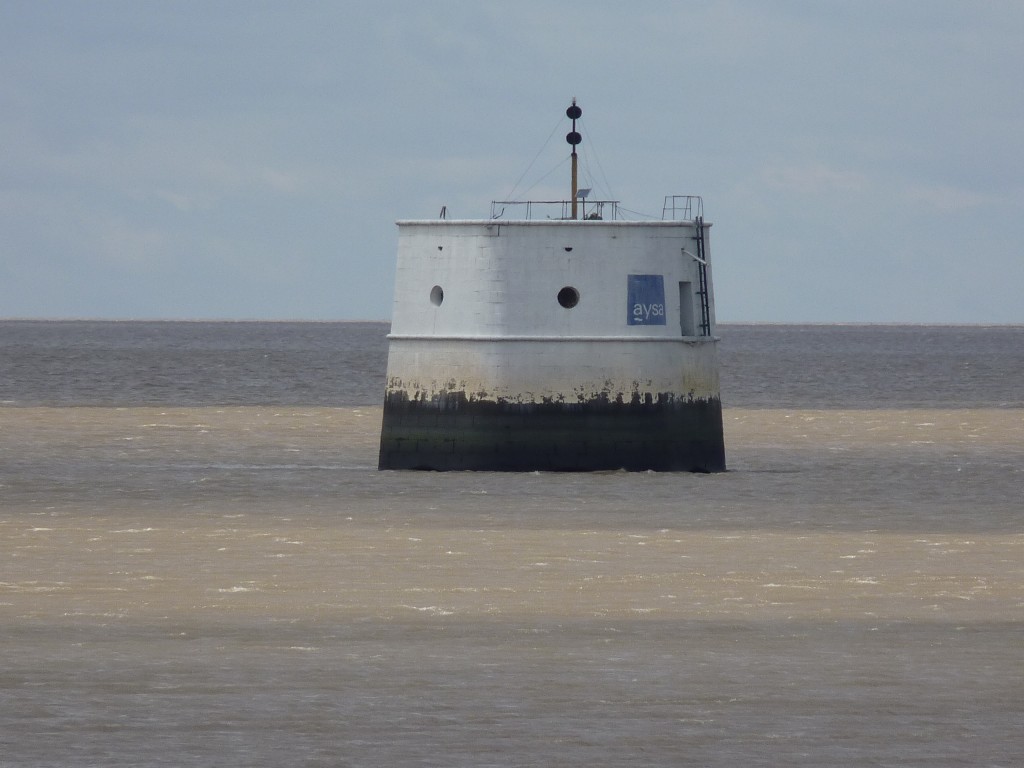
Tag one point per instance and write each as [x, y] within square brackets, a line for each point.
[555, 210]
[682, 208]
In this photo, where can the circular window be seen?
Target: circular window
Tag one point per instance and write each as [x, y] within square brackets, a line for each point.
[436, 295]
[568, 297]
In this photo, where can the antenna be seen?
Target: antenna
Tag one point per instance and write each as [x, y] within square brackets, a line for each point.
[573, 113]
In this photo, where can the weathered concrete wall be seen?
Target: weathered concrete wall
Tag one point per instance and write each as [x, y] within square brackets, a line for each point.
[504, 278]
[550, 345]
[566, 370]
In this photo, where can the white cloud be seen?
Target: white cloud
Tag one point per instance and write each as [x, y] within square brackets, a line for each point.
[947, 199]
[813, 180]
[122, 244]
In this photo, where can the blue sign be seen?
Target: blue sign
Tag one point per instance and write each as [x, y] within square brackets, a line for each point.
[646, 300]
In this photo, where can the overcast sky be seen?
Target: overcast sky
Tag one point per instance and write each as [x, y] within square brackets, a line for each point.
[862, 161]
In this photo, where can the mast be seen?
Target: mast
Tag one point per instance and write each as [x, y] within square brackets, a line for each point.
[573, 113]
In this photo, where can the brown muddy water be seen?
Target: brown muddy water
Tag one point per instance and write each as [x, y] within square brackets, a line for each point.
[239, 586]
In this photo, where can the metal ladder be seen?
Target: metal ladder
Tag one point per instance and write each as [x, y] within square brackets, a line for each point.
[702, 278]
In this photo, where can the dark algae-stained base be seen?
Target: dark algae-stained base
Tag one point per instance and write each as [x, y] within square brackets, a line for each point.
[663, 434]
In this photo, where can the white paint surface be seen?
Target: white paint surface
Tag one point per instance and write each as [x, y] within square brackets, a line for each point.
[500, 331]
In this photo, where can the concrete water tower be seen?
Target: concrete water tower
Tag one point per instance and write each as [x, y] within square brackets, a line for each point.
[577, 342]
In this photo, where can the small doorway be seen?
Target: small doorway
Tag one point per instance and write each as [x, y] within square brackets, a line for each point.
[686, 325]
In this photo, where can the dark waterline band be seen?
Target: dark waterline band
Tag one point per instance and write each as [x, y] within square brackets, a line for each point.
[663, 434]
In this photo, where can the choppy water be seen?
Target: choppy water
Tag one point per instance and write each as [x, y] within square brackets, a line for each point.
[199, 564]
[333, 364]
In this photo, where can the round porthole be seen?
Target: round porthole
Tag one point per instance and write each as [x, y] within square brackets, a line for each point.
[436, 295]
[568, 297]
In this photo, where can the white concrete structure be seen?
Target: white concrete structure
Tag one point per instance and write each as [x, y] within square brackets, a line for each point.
[553, 344]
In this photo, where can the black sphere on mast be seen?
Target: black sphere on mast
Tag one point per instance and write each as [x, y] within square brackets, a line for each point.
[573, 113]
